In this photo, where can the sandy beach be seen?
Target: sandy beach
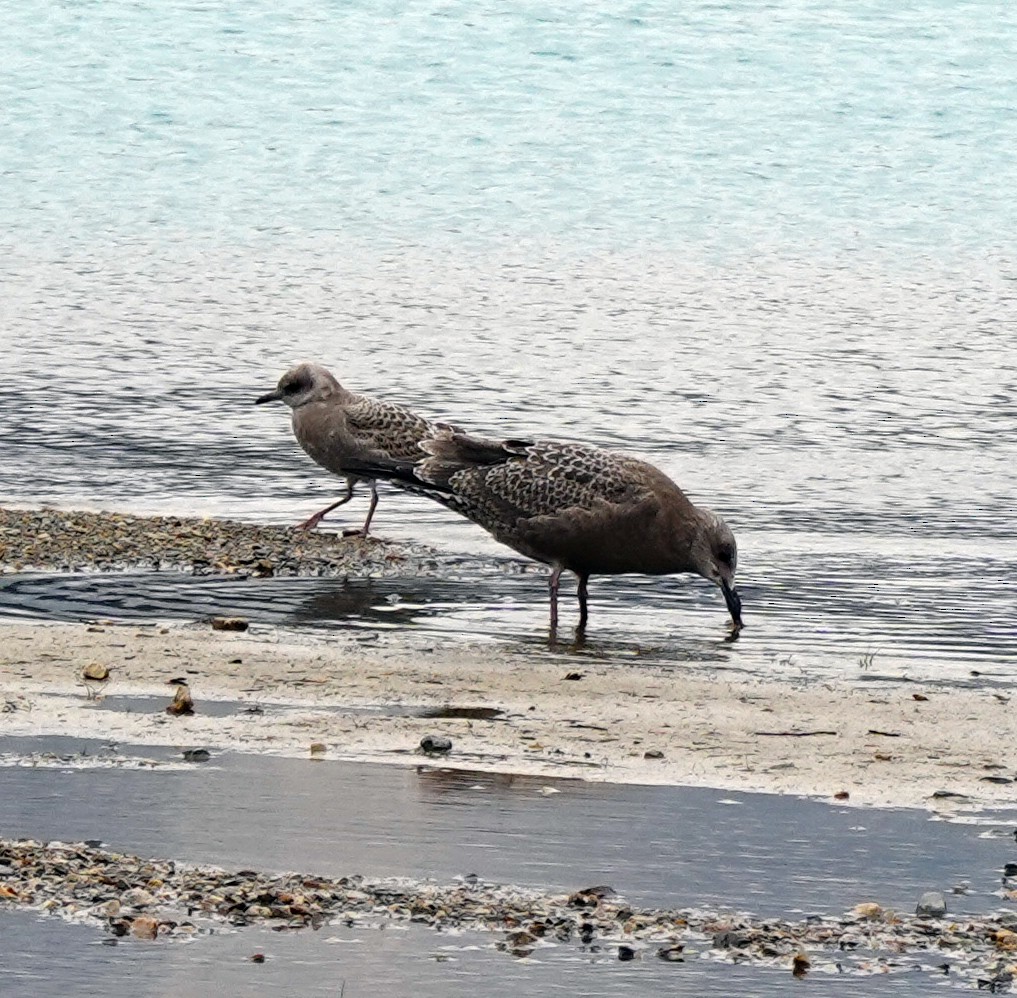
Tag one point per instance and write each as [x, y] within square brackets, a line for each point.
[559, 715]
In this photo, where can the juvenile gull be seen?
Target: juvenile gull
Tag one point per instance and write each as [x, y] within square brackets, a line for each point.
[335, 426]
[573, 507]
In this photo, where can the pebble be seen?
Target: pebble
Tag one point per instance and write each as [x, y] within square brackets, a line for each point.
[182, 705]
[104, 888]
[931, 904]
[229, 624]
[144, 927]
[435, 745]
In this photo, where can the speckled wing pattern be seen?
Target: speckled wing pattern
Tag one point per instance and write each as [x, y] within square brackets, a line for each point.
[545, 478]
[385, 429]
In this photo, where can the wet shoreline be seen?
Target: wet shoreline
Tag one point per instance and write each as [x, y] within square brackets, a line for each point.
[603, 719]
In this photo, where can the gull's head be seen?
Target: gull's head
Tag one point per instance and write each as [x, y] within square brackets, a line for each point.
[716, 558]
[300, 385]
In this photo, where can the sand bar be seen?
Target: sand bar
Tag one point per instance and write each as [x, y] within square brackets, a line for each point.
[617, 722]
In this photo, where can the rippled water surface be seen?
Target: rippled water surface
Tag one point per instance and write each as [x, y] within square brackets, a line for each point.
[852, 424]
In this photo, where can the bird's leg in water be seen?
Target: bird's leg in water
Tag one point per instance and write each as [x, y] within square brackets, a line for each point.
[583, 615]
[313, 521]
[370, 513]
[555, 577]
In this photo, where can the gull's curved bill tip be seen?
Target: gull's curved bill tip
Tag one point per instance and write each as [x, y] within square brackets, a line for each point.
[734, 606]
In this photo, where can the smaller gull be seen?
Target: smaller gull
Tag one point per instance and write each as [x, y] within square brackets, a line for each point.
[574, 507]
[336, 426]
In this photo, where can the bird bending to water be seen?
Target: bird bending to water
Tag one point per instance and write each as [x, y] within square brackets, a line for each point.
[334, 426]
[574, 507]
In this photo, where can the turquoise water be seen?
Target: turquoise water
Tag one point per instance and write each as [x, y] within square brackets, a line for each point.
[707, 127]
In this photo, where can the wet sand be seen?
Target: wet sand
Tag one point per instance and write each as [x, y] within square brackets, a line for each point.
[557, 715]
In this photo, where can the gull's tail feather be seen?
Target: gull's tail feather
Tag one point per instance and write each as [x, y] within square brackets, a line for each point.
[401, 472]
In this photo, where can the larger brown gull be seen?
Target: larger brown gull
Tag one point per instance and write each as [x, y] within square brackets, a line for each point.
[572, 507]
[335, 426]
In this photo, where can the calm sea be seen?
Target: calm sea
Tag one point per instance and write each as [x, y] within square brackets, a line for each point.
[768, 246]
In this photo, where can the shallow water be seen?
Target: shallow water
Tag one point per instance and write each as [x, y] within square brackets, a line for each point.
[852, 424]
[657, 846]
[853, 630]
[57, 960]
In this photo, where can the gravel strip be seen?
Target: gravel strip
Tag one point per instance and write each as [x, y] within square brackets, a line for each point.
[57, 540]
[148, 899]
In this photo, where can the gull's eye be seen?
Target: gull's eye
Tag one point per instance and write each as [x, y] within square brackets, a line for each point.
[725, 555]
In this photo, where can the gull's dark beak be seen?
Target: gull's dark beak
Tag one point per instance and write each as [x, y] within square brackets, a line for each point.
[734, 603]
[272, 396]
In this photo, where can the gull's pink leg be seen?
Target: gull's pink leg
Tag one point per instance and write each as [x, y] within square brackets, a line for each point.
[555, 577]
[312, 522]
[371, 509]
[583, 579]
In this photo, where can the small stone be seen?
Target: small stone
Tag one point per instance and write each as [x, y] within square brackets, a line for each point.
[590, 897]
[800, 965]
[257, 958]
[868, 909]
[672, 954]
[144, 927]
[318, 750]
[931, 904]
[653, 754]
[183, 704]
[197, 755]
[95, 671]
[520, 939]
[229, 624]
[573, 676]
[730, 939]
[626, 953]
[435, 745]
[136, 897]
